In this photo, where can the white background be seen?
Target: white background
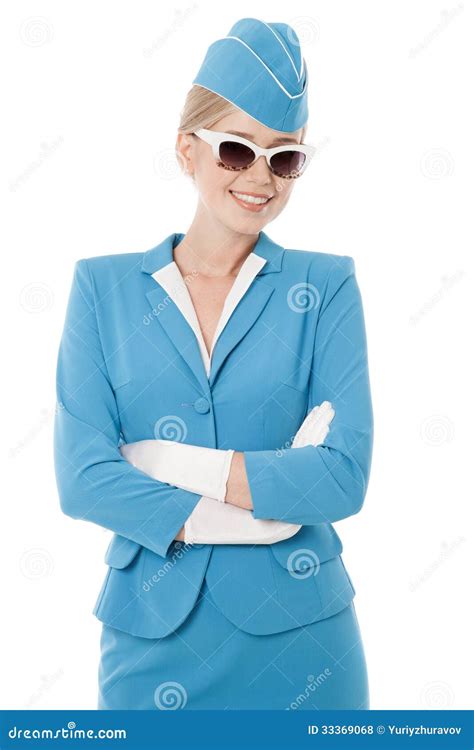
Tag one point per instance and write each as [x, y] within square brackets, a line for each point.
[91, 99]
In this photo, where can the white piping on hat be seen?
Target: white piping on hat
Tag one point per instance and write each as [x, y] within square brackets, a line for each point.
[290, 96]
[298, 75]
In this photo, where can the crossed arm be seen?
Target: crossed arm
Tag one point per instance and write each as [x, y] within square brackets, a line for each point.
[305, 486]
[220, 475]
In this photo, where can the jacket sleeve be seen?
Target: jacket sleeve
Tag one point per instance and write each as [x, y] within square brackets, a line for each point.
[95, 483]
[211, 522]
[327, 482]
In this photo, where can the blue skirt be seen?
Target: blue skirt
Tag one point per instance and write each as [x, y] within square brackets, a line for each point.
[209, 663]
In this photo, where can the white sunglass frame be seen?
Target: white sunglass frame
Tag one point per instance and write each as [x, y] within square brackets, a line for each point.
[214, 138]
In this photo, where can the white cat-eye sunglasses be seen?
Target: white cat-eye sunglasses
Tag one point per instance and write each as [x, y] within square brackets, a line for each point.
[236, 153]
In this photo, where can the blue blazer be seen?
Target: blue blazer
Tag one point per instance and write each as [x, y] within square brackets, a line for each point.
[128, 359]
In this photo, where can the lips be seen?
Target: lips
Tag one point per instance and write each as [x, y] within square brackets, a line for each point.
[254, 195]
[251, 195]
[254, 205]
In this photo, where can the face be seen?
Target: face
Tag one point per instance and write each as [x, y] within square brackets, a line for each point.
[217, 186]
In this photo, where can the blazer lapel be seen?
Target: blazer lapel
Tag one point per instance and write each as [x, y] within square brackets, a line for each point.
[172, 321]
[250, 306]
[179, 332]
[239, 323]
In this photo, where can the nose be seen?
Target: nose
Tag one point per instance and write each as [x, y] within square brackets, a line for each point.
[259, 171]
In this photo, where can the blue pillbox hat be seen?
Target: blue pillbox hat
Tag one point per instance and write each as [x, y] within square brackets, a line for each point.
[260, 69]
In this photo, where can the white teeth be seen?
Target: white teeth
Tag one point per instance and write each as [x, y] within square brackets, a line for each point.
[249, 198]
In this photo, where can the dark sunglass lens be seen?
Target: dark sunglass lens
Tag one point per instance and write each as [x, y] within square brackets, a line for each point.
[235, 155]
[288, 163]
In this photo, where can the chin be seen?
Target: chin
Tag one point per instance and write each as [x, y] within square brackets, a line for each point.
[248, 225]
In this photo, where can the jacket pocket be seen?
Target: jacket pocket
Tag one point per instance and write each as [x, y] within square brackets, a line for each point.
[310, 547]
[121, 551]
[120, 383]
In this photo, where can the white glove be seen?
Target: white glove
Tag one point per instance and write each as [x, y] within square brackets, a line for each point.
[190, 467]
[211, 523]
[315, 427]
[223, 523]
[220, 523]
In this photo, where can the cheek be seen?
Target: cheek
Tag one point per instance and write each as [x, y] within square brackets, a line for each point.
[212, 180]
[283, 192]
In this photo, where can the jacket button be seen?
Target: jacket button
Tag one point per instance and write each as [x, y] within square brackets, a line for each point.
[202, 405]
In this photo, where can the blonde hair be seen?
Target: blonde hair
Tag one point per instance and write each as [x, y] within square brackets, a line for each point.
[202, 108]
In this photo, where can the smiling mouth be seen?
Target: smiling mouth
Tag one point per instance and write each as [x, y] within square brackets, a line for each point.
[251, 199]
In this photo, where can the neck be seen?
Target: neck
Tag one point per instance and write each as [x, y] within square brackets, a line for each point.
[212, 249]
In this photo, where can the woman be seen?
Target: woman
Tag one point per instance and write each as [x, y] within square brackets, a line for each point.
[214, 391]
